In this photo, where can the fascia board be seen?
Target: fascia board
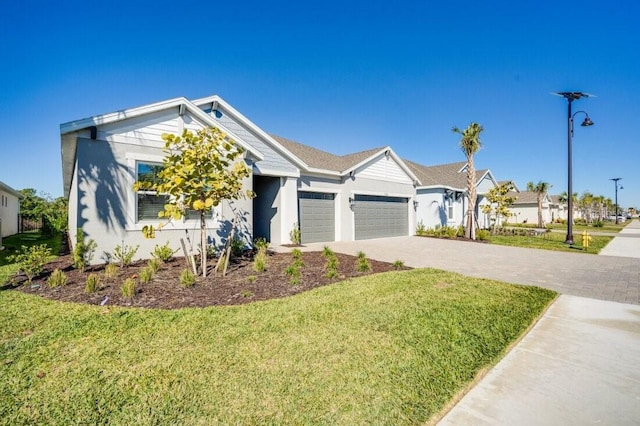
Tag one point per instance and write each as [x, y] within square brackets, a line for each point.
[442, 187]
[6, 188]
[238, 116]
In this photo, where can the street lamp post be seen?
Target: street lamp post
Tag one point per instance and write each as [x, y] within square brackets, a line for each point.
[615, 182]
[570, 97]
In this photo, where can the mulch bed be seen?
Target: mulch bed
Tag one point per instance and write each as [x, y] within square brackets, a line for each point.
[241, 284]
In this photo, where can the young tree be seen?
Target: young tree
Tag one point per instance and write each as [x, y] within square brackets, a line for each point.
[541, 189]
[499, 202]
[470, 144]
[199, 171]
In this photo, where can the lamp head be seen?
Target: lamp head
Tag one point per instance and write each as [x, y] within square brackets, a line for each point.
[587, 122]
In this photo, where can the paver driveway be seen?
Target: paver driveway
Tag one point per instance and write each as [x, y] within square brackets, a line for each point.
[579, 274]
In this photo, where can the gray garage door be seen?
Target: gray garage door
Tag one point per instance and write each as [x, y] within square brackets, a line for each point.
[377, 217]
[317, 217]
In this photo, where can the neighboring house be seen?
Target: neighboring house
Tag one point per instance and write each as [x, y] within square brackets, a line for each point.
[362, 195]
[525, 208]
[9, 211]
[442, 196]
[558, 209]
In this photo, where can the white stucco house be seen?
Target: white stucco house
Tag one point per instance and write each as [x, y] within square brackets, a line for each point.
[525, 208]
[362, 195]
[9, 211]
[442, 194]
[558, 209]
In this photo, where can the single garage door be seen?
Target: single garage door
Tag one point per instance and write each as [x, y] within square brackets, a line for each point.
[377, 217]
[317, 217]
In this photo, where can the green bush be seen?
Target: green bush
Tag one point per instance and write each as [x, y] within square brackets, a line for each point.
[398, 264]
[83, 251]
[128, 288]
[155, 264]
[238, 247]
[162, 252]
[598, 224]
[297, 257]
[187, 279]
[111, 270]
[56, 279]
[146, 274]
[326, 251]
[261, 243]
[332, 266]
[450, 232]
[124, 254]
[362, 264]
[295, 235]
[260, 260]
[482, 234]
[294, 273]
[31, 260]
[421, 229]
[92, 283]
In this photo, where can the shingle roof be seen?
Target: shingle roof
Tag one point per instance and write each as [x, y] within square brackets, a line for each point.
[319, 159]
[443, 174]
[524, 197]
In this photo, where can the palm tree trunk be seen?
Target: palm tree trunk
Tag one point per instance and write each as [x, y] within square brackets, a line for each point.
[539, 211]
[471, 184]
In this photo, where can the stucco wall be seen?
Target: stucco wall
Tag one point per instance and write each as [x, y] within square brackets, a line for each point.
[9, 210]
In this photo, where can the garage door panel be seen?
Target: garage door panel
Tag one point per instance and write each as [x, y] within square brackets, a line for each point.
[378, 217]
[317, 217]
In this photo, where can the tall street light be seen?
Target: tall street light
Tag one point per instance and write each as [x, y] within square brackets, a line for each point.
[570, 97]
[615, 181]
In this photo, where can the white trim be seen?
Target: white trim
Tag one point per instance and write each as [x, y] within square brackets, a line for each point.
[383, 152]
[321, 190]
[383, 194]
[259, 171]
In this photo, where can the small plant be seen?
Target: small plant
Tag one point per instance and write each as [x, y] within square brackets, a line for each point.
[598, 224]
[31, 260]
[111, 270]
[398, 264]
[261, 243]
[362, 264]
[162, 252]
[187, 279]
[155, 264]
[238, 247]
[295, 235]
[421, 229]
[124, 254]
[260, 260]
[56, 279]
[246, 293]
[128, 288]
[332, 265]
[450, 232]
[252, 278]
[92, 284]
[482, 235]
[294, 274]
[146, 274]
[296, 254]
[83, 251]
[326, 251]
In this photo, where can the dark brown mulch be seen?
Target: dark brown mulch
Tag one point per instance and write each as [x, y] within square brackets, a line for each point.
[241, 284]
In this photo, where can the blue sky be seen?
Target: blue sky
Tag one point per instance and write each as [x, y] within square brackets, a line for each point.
[339, 76]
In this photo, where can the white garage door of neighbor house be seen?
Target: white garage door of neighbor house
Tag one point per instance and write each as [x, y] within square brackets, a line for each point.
[377, 216]
[317, 217]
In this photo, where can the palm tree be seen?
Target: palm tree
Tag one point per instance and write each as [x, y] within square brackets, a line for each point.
[541, 189]
[470, 144]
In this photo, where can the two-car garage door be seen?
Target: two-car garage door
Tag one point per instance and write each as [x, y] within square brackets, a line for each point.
[377, 217]
[374, 216]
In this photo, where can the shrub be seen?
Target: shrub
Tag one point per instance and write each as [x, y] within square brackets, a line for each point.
[294, 274]
[92, 284]
[31, 260]
[187, 279]
[238, 247]
[124, 254]
[398, 264]
[111, 270]
[362, 264]
[332, 266]
[56, 279]
[326, 251]
[421, 229]
[128, 288]
[155, 264]
[260, 260]
[261, 243]
[162, 252]
[482, 235]
[146, 274]
[460, 231]
[297, 257]
[450, 232]
[83, 251]
[598, 224]
[295, 235]
[252, 278]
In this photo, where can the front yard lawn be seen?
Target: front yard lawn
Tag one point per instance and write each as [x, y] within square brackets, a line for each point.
[552, 241]
[391, 348]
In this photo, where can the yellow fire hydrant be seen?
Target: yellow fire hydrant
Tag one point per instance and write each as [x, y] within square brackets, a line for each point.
[585, 240]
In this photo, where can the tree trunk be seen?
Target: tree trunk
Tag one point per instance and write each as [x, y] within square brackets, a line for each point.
[203, 243]
[470, 231]
[539, 211]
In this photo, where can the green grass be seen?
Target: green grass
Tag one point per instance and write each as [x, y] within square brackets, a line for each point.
[552, 241]
[607, 227]
[391, 348]
[14, 243]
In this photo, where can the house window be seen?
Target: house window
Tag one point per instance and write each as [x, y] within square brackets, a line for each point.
[150, 203]
[450, 215]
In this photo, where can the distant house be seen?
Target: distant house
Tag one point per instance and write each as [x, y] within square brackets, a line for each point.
[525, 208]
[9, 210]
[328, 197]
[442, 195]
[558, 208]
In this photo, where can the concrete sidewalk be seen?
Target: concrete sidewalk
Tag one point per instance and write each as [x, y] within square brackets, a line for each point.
[626, 243]
[577, 366]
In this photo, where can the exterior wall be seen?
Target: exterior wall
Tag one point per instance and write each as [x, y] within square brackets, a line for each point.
[103, 204]
[385, 169]
[274, 163]
[433, 208]
[9, 210]
[529, 213]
